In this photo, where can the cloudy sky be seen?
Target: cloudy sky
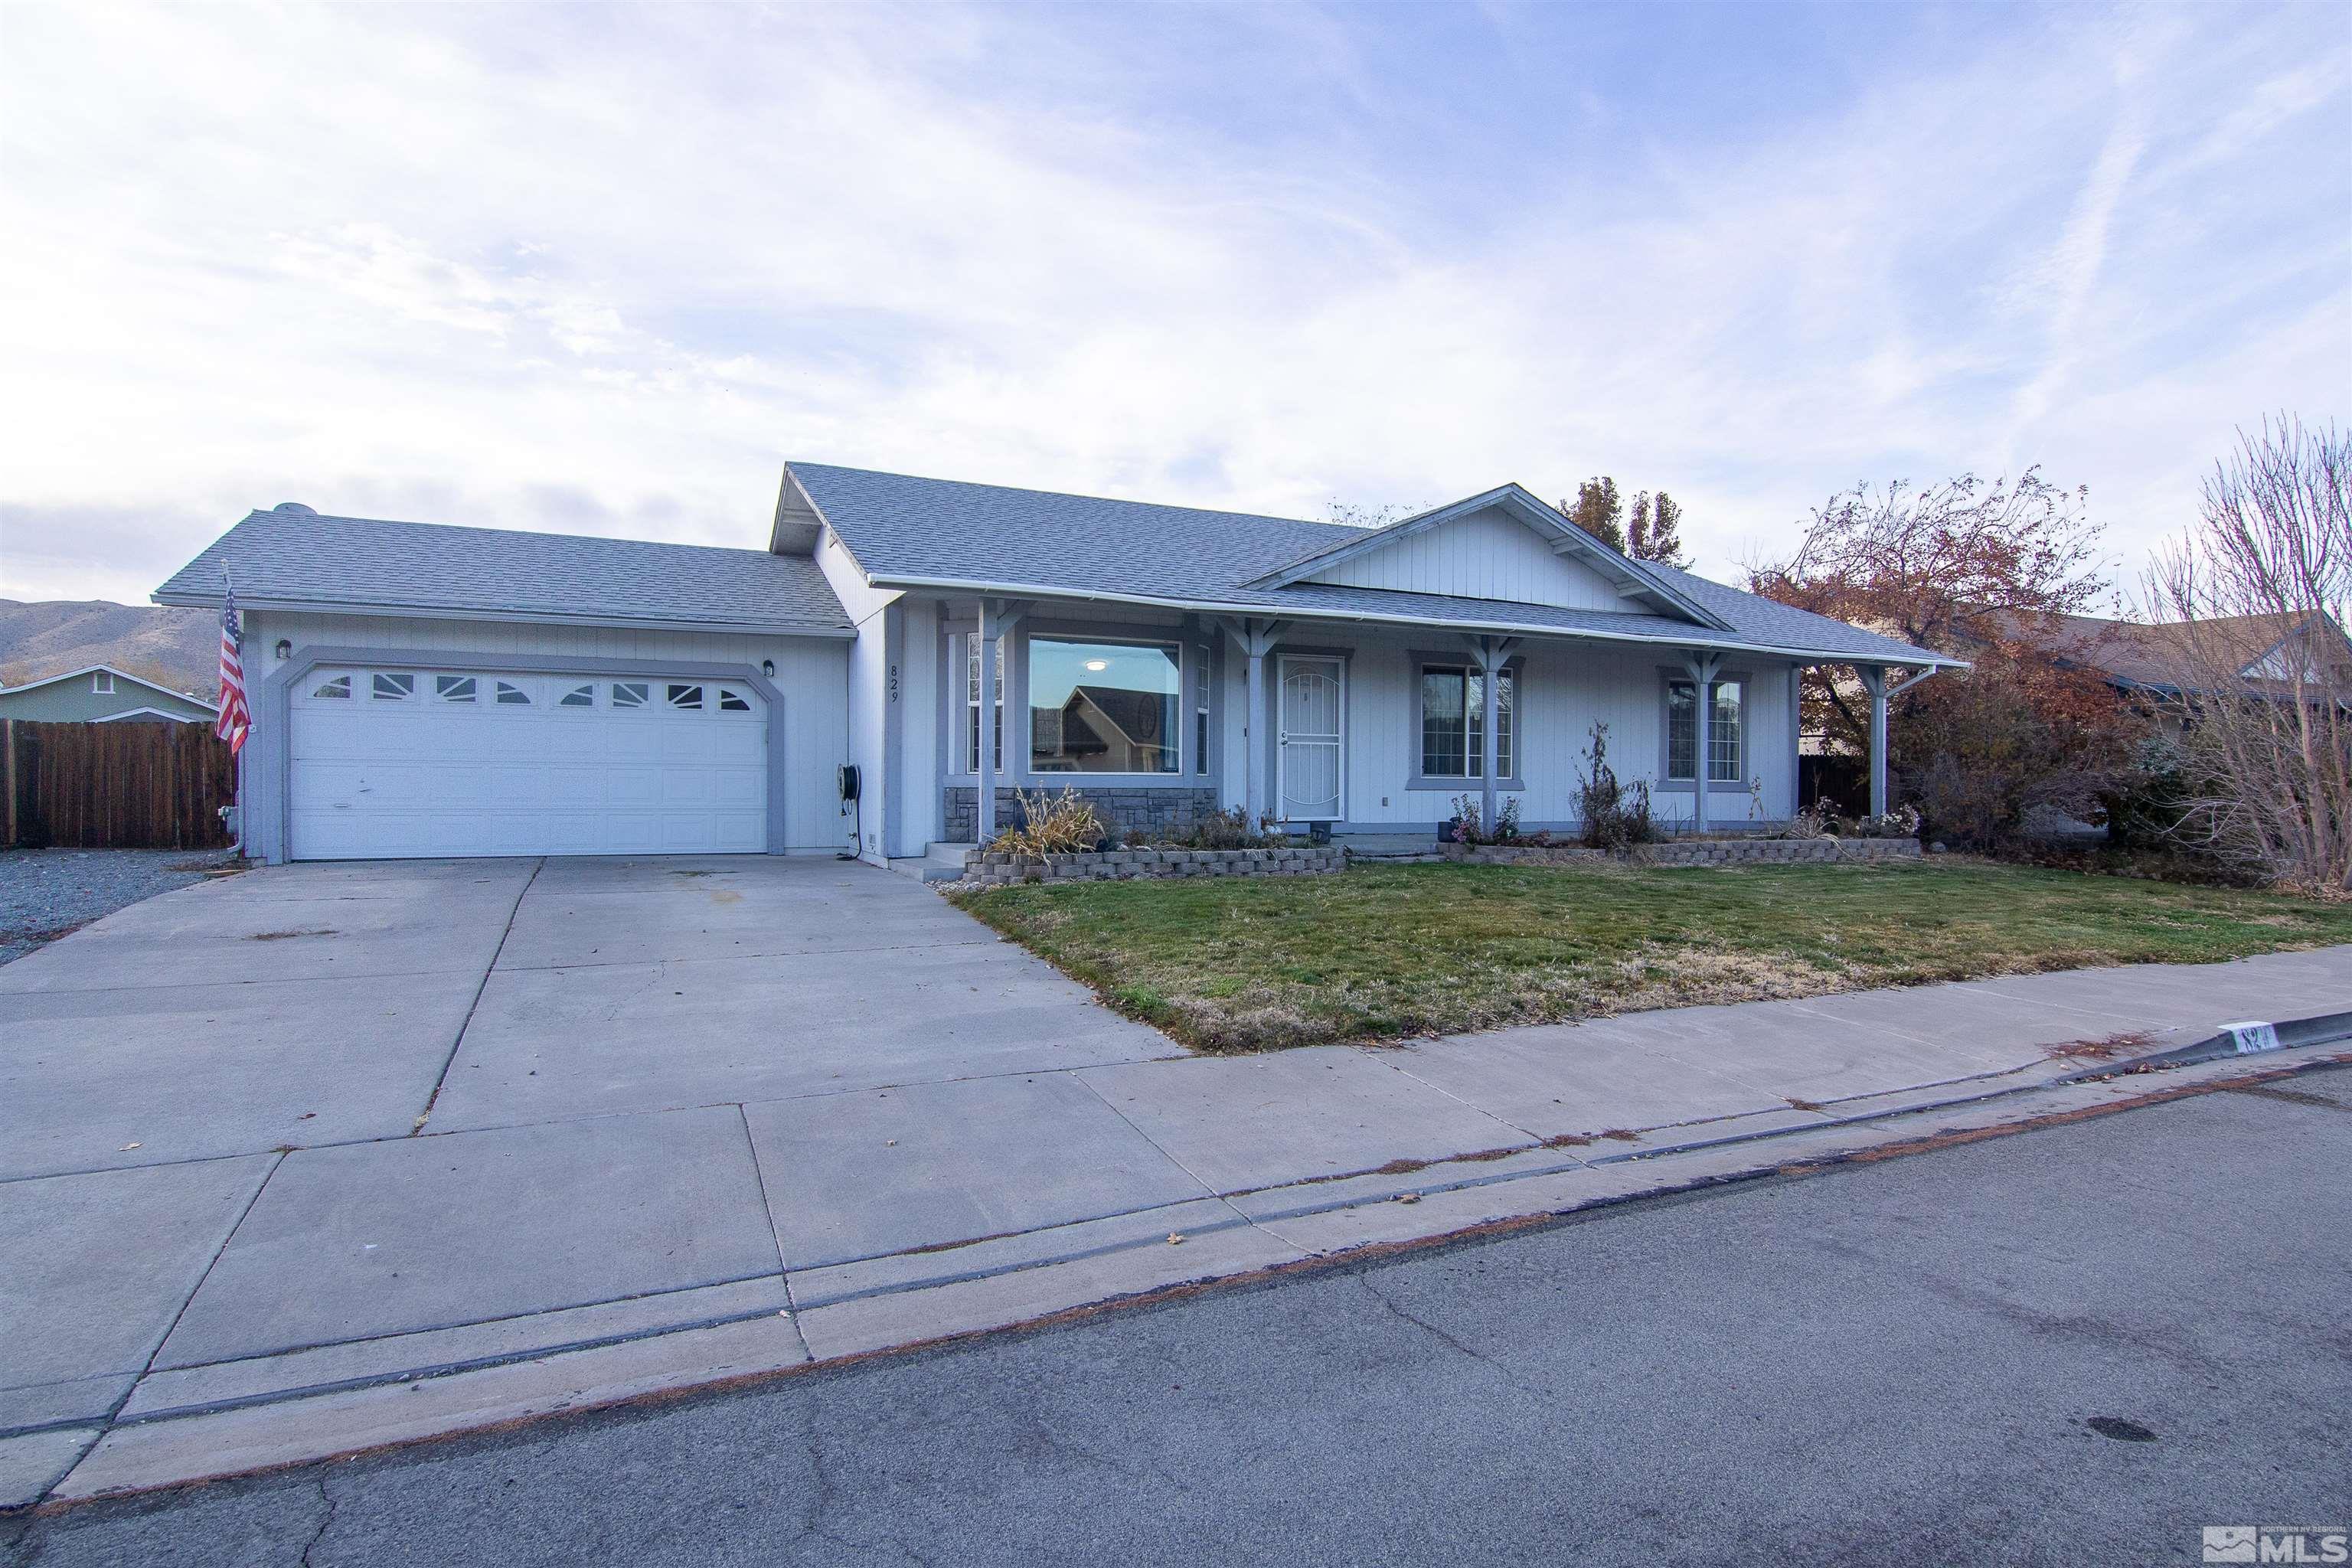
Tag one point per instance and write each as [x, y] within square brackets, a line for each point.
[602, 269]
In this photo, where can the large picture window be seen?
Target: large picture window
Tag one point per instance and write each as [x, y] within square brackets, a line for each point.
[1724, 732]
[1454, 722]
[1104, 708]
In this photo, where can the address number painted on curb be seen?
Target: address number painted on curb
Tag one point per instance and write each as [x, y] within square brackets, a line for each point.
[2251, 1037]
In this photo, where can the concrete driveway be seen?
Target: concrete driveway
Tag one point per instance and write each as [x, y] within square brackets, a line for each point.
[333, 1154]
[320, 1105]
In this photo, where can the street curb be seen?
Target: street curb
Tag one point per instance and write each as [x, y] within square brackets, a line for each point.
[1766, 1165]
[2254, 1036]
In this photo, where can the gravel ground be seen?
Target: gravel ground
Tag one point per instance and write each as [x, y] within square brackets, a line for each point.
[46, 893]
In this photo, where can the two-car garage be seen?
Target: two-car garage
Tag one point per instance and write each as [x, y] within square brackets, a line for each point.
[402, 762]
[421, 691]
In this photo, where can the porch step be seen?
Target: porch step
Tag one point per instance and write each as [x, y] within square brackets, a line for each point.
[938, 863]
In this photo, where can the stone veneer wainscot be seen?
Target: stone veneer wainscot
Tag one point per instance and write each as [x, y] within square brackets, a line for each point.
[997, 867]
[1154, 809]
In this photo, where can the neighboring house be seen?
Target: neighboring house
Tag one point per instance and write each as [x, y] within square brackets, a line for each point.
[430, 691]
[101, 694]
[2277, 653]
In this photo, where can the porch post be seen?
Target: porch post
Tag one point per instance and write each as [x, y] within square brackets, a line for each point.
[1258, 640]
[1702, 668]
[985, 727]
[1874, 680]
[1253, 735]
[1491, 749]
[1494, 654]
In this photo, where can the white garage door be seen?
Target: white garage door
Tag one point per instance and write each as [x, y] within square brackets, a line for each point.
[404, 763]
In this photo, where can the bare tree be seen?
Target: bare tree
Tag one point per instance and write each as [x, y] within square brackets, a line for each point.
[2257, 597]
[1355, 514]
[1990, 573]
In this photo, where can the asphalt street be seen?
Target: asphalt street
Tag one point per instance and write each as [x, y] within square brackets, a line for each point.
[2076, 1345]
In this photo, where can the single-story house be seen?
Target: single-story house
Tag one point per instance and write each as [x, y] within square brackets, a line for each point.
[2279, 654]
[102, 694]
[429, 690]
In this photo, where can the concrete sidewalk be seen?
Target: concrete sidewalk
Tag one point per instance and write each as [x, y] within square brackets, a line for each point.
[227, 1309]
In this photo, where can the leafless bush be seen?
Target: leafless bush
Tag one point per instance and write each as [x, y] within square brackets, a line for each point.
[2261, 670]
[1615, 816]
[1053, 824]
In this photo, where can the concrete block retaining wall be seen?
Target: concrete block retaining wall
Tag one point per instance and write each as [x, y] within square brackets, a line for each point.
[1693, 852]
[1154, 809]
[996, 867]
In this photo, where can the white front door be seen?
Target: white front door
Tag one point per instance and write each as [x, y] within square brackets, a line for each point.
[1310, 770]
[399, 763]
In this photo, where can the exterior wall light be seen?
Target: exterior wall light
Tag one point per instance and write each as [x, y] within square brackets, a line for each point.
[768, 668]
[284, 648]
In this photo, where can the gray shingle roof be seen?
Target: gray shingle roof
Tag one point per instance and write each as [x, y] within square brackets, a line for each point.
[902, 528]
[300, 558]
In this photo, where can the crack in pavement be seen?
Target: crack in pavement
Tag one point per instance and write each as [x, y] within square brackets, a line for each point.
[326, 1521]
[1434, 1331]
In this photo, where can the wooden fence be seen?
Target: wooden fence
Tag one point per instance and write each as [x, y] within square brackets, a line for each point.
[126, 786]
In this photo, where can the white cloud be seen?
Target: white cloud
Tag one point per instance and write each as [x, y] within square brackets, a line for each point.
[603, 271]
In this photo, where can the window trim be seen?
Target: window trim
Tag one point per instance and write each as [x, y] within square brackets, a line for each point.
[101, 683]
[1668, 678]
[1514, 781]
[956, 635]
[1174, 641]
[962, 651]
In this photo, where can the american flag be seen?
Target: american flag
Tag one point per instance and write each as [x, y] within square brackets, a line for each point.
[234, 719]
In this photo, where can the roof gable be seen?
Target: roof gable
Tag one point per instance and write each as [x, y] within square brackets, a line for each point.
[1502, 544]
[120, 676]
[954, 536]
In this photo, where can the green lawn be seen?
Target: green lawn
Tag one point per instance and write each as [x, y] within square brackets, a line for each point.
[1389, 951]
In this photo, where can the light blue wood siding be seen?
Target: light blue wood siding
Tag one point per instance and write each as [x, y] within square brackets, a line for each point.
[1568, 687]
[1487, 555]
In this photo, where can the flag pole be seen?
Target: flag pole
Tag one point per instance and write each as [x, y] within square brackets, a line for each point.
[236, 757]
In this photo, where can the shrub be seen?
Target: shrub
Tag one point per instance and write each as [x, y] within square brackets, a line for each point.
[1227, 829]
[1903, 822]
[1470, 828]
[1814, 822]
[1051, 825]
[1616, 817]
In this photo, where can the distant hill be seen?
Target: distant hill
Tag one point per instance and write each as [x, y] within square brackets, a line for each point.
[177, 648]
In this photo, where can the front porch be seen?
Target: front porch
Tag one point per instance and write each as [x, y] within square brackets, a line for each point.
[1372, 732]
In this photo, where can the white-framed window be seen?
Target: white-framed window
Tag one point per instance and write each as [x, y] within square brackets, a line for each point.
[1453, 722]
[684, 696]
[970, 741]
[456, 688]
[733, 701]
[392, 686]
[338, 689]
[1202, 663]
[582, 696]
[632, 693]
[512, 696]
[1098, 707]
[102, 683]
[1726, 737]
